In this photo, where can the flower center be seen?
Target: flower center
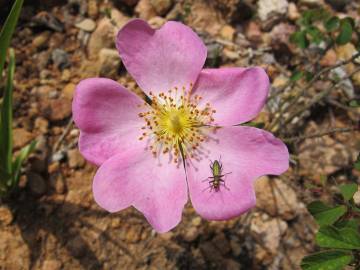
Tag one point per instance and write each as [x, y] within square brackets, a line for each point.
[175, 121]
[173, 125]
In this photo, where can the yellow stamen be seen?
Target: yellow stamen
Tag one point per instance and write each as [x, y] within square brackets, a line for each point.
[174, 122]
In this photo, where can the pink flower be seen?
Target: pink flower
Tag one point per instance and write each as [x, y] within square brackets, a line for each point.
[138, 147]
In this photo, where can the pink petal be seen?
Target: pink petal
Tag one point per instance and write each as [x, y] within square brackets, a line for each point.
[245, 153]
[136, 178]
[237, 94]
[107, 116]
[161, 59]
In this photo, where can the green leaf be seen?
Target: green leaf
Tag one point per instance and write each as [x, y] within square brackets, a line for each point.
[4, 176]
[345, 32]
[306, 18]
[332, 24]
[308, 76]
[350, 223]
[296, 76]
[310, 186]
[354, 103]
[5, 179]
[326, 215]
[315, 34]
[254, 124]
[299, 38]
[348, 190]
[309, 16]
[357, 163]
[350, 20]
[312, 15]
[24, 153]
[323, 180]
[6, 120]
[329, 260]
[8, 30]
[344, 238]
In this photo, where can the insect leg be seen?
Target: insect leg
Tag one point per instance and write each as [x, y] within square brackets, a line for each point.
[207, 188]
[207, 179]
[223, 184]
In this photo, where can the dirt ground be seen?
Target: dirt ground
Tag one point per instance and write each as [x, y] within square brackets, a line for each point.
[52, 222]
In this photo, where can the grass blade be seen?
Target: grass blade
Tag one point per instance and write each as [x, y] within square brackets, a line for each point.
[4, 178]
[8, 30]
[24, 153]
[6, 120]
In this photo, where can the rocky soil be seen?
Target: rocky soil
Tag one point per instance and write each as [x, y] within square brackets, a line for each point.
[53, 223]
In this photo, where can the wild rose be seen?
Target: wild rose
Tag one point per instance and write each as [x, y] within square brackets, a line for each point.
[150, 156]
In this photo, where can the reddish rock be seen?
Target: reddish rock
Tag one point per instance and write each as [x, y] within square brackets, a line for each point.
[6, 216]
[21, 137]
[75, 159]
[253, 32]
[105, 33]
[68, 91]
[227, 32]
[329, 59]
[277, 198]
[56, 109]
[145, 10]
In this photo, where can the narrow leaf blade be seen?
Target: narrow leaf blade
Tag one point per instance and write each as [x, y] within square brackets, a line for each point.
[8, 30]
[6, 120]
[24, 153]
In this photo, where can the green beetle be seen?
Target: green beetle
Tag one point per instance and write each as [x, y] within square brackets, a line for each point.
[216, 180]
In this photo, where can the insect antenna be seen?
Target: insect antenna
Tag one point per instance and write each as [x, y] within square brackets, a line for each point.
[225, 174]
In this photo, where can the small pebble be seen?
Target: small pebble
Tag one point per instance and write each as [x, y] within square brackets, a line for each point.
[191, 234]
[75, 159]
[87, 25]
[58, 156]
[60, 58]
[6, 216]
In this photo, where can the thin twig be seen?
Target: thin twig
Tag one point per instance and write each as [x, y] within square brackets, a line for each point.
[325, 70]
[318, 97]
[319, 134]
[342, 106]
[289, 83]
[317, 76]
[65, 132]
[313, 80]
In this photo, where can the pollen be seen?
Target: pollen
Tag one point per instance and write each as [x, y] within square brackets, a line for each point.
[173, 123]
